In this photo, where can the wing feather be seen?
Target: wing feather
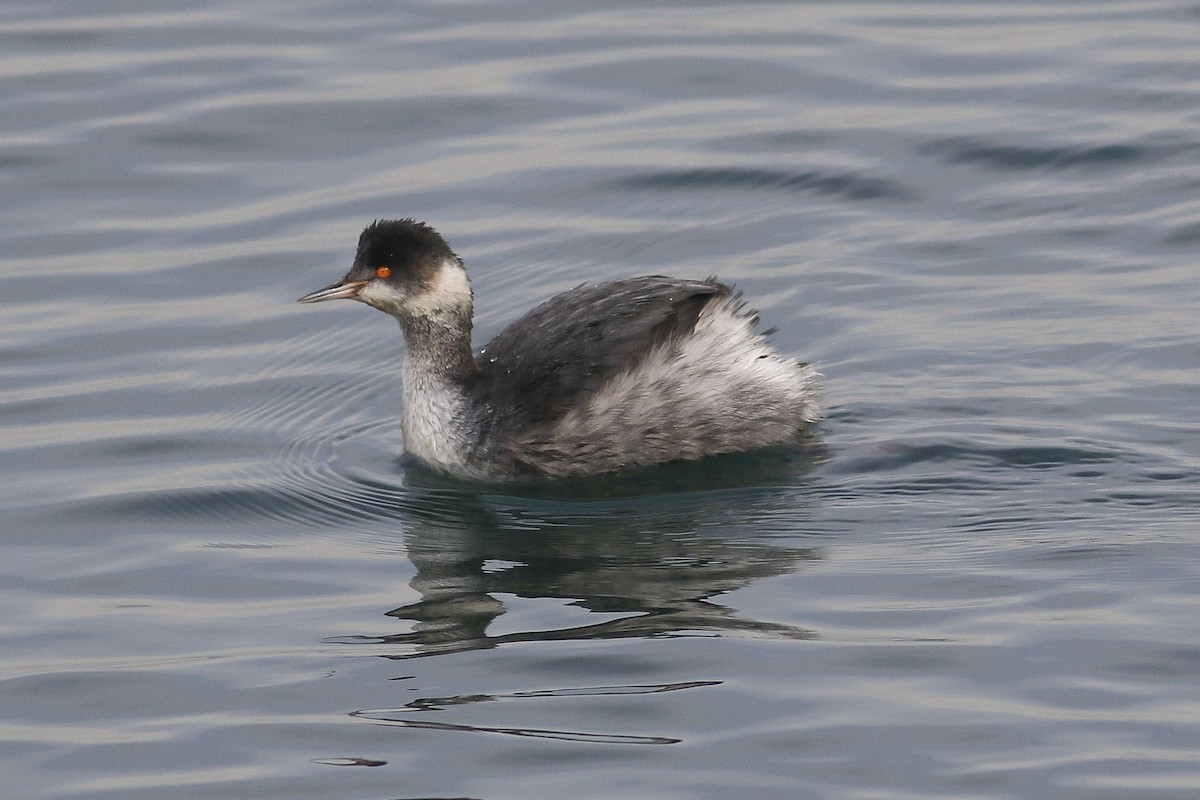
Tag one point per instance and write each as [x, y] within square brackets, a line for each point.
[561, 352]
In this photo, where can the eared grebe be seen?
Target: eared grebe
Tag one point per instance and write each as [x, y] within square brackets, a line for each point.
[601, 378]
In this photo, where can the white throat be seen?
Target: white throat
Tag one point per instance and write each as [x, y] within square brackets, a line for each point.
[434, 420]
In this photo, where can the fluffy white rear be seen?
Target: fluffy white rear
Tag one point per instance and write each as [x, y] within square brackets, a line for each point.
[721, 389]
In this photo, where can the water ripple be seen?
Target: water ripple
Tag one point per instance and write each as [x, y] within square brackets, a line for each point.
[850, 186]
[397, 716]
[993, 155]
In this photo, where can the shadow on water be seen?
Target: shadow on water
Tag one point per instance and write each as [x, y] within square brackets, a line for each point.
[649, 551]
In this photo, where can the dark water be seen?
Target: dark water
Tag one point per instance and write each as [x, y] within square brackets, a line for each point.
[220, 580]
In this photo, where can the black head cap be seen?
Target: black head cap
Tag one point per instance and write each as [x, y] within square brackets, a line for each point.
[412, 250]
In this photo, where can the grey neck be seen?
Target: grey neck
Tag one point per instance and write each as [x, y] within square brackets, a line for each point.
[440, 419]
[441, 346]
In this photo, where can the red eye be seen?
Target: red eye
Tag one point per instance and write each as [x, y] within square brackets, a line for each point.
[383, 272]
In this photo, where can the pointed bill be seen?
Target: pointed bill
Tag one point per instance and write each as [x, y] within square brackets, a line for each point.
[342, 290]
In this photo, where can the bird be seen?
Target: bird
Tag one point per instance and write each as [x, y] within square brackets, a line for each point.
[602, 378]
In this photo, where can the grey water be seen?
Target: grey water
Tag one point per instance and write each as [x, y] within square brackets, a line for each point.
[220, 577]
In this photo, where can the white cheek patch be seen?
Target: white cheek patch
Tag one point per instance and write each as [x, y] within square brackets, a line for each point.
[384, 296]
[449, 290]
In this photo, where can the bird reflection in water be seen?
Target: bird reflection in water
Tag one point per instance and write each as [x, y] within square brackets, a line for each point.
[641, 556]
[651, 565]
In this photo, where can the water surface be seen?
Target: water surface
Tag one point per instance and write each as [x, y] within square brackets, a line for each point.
[221, 579]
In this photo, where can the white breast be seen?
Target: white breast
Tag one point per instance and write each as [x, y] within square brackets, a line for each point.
[433, 420]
